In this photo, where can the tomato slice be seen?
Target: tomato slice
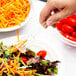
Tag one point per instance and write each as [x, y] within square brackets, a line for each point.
[9, 62]
[42, 53]
[73, 34]
[67, 29]
[24, 59]
[59, 26]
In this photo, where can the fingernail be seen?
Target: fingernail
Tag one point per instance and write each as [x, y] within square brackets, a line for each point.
[45, 26]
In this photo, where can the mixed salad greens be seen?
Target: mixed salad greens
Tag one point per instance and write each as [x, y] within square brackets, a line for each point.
[28, 63]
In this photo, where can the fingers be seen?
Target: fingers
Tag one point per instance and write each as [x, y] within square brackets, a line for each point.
[61, 9]
[44, 25]
[46, 12]
[57, 16]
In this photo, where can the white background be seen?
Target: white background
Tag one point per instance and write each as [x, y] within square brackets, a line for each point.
[49, 36]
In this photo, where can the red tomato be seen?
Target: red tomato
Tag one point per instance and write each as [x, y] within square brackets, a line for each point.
[62, 33]
[72, 38]
[67, 29]
[42, 53]
[73, 34]
[68, 36]
[64, 21]
[10, 61]
[59, 26]
[71, 21]
[24, 59]
[74, 16]
[65, 34]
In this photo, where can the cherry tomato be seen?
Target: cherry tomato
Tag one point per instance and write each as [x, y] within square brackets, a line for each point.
[73, 34]
[42, 53]
[71, 21]
[10, 61]
[64, 21]
[68, 36]
[74, 16]
[64, 34]
[59, 26]
[72, 38]
[67, 29]
[24, 59]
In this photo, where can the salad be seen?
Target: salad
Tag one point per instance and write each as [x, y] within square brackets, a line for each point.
[29, 63]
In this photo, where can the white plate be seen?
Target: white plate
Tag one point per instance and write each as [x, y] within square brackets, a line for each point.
[22, 24]
[36, 46]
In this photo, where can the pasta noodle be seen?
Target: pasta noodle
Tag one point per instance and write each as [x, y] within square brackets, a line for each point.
[13, 12]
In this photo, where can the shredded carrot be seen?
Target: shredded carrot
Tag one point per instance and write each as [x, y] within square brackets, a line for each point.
[13, 12]
[17, 35]
[18, 46]
[3, 70]
[14, 69]
[13, 49]
[23, 43]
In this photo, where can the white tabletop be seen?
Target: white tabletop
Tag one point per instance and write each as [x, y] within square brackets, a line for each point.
[49, 36]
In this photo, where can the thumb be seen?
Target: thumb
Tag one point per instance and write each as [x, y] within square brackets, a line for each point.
[57, 16]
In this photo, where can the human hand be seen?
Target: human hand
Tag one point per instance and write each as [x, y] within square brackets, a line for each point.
[62, 9]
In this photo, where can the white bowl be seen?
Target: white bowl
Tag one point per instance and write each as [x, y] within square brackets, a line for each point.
[65, 40]
[18, 26]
